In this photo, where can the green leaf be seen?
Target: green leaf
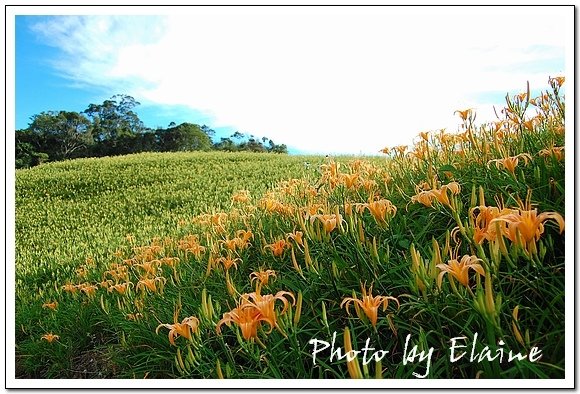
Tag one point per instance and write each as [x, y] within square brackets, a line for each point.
[449, 168]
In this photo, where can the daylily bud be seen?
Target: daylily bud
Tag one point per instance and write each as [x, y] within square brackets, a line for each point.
[218, 368]
[352, 365]
[298, 309]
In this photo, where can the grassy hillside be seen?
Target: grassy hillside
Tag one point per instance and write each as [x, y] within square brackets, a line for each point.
[71, 210]
[246, 265]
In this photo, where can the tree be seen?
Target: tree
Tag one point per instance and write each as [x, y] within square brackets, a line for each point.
[280, 148]
[27, 149]
[274, 148]
[253, 146]
[237, 135]
[226, 144]
[113, 128]
[208, 131]
[62, 134]
[185, 137]
[114, 118]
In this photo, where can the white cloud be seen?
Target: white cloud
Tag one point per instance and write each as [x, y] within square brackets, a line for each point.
[344, 80]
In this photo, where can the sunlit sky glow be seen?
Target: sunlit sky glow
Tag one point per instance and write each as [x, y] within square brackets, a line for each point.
[334, 80]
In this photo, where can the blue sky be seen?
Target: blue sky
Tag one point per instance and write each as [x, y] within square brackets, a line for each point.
[41, 86]
[321, 80]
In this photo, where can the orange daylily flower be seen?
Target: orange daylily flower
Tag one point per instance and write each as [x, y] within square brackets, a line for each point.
[50, 305]
[357, 165]
[369, 304]
[147, 253]
[70, 288]
[151, 284]
[448, 140]
[558, 81]
[401, 149]
[297, 236]
[190, 244]
[252, 310]
[464, 114]
[331, 169]
[529, 124]
[441, 194]
[265, 303]
[106, 283]
[270, 204]
[121, 288]
[170, 261]
[230, 244]
[482, 217]
[380, 209]
[262, 277]
[386, 177]
[243, 237]
[557, 152]
[218, 219]
[460, 270]
[350, 180]
[88, 289]
[187, 326]
[329, 222]
[50, 337]
[524, 227]
[81, 271]
[197, 250]
[313, 209]
[228, 261]
[247, 318]
[118, 273]
[277, 247]
[421, 150]
[425, 197]
[510, 163]
[521, 96]
[150, 267]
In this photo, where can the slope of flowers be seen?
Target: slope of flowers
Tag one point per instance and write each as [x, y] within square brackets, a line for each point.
[459, 235]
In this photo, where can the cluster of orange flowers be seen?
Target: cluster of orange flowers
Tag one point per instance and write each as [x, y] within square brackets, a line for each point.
[185, 328]
[427, 195]
[364, 189]
[523, 226]
[146, 266]
[255, 308]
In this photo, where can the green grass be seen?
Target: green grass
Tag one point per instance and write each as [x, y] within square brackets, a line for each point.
[68, 211]
[73, 218]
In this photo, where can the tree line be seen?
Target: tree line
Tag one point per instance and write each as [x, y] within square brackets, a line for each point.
[113, 128]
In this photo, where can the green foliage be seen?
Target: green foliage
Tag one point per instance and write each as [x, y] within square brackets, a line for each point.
[185, 137]
[26, 150]
[114, 118]
[65, 134]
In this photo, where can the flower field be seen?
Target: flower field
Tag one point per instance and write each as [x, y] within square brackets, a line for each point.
[443, 259]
